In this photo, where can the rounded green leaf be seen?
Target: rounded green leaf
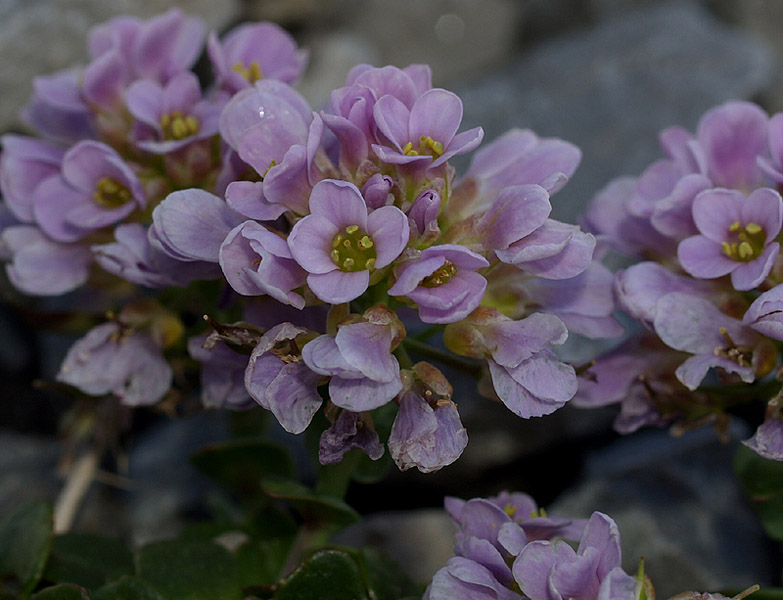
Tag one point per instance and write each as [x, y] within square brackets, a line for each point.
[25, 541]
[316, 509]
[127, 588]
[182, 570]
[87, 560]
[327, 575]
[64, 591]
[240, 465]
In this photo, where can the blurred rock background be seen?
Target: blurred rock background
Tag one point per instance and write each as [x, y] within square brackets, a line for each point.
[604, 74]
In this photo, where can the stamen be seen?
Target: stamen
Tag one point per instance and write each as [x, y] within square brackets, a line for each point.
[353, 250]
[176, 126]
[441, 276]
[110, 193]
[252, 72]
[735, 226]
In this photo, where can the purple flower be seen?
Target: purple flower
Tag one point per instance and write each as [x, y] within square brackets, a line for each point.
[377, 191]
[693, 324]
[520, 157]
[172, 115]
[339, 244]
[254, 51]
[442, 282]
[350, 430]
[278, 379]
[768, 439]
[258, 261]
[96, 188]
[364, 373]
[527, 376]
[190, 225]
[424, 135]
[639, 287]
[110, 360]
[554, 571]
[42, 267]
[427, 432]
[772, 167]
[765, 315]
[158, 48]
[133, 258]
[737, 236]
[465, 579]
[57, 109]
[732, 137]
[423, 215]
[24, 164]
[222, 375]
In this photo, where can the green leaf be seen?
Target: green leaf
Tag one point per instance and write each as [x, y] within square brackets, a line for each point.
[87, 560]
[261, 561]
[240, 465]
[64, 591]
[127, 588]
[327, 575]
[316, 509]
[384, 578]
[771, 515]
[25, 541]
[183, 570]
[372, 471]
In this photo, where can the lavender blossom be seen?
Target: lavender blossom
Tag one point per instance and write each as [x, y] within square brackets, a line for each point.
[736, 236]
[364, 374]
[254, 51]
[258, 261]
[171, 115]
[427, 432]
[765, 315]
[57, 109]
[96, 188]
[278, 379]
[42, 267]
[442, 282]
[424, 135]
[526, 375]
[24, 164]
[111, 360]
[349, 431]
[767, 441]
[222, 375]
[552, 571]
[339, 244]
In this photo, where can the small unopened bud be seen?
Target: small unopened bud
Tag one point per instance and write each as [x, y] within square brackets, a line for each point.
[425, 210]
[376, 190]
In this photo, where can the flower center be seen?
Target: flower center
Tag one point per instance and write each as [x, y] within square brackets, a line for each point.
[441, 276]
[426, 146]
[177, 126]
[741, 355]
[110, 193]
[749, 242]
[251, 72]
[353, 250]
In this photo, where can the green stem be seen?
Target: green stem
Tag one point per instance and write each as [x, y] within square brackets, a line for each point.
[442, 356]
[333, 480]
[428, 333]
[403, 357]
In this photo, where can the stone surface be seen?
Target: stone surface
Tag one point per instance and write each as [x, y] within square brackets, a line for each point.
[38, 37]
[612, 88]
[677, 504]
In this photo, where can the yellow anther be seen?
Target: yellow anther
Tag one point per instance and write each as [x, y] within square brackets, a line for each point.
[735, 226]
[338, 238]
[753, 228]
[110, 193]
[745, 250]
[353, 250]
[348, 263]
[176, 126]
[335, 254]
[347, 243]
[369, 263]
[192, 124]
[351, 229]
[365, 243]
[726, 248]
[510, 510]
[251, 72]
[408, 149]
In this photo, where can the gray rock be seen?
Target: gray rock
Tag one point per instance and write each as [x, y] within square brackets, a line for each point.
[38, 37]
[677, 504]
[28, 465]
[612, 88]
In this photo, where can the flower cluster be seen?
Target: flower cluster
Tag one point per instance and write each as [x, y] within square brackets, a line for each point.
[313, 227]
[507, 548]
[706, 221]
